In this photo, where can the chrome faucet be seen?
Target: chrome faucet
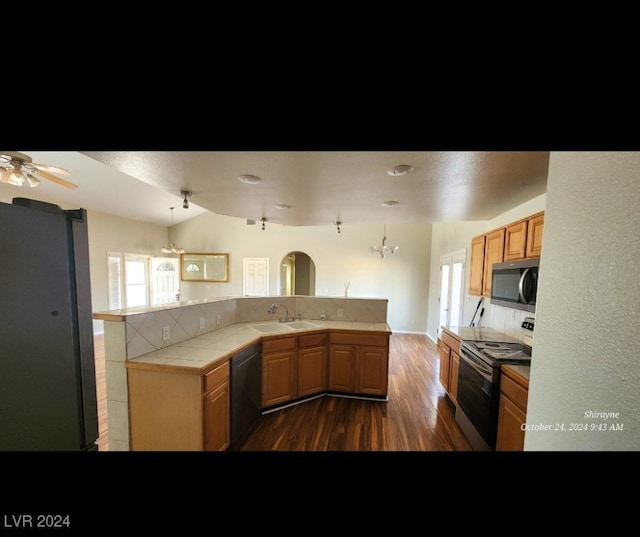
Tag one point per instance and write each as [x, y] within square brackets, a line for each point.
[273, 308]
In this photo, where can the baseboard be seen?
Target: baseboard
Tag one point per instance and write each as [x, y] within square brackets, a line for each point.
[408, 332]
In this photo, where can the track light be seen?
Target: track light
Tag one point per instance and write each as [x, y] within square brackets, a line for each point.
[338, 224]
[185, 193]
[263, 220]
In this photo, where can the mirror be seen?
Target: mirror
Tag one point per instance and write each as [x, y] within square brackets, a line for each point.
[204, 267]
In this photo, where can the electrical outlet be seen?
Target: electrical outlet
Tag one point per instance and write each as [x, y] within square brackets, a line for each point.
[218, 319]
[201, 323]
[340, 312]
[166, 333]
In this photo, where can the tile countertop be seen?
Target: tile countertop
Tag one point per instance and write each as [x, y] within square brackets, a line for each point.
[202, 353]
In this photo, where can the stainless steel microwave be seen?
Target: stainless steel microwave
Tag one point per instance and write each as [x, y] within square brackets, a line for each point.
[514, 284]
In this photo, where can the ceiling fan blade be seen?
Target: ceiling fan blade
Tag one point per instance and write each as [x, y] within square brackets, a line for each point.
[52, 169]
[55, 179]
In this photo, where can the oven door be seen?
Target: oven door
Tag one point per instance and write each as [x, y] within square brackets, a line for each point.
[478, 395]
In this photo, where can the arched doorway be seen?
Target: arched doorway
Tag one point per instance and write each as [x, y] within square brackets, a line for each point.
[297, 275]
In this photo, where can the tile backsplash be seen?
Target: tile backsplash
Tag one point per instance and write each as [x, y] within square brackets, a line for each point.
[507, 320]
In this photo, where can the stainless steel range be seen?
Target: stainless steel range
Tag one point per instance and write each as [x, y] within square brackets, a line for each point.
[479, 387]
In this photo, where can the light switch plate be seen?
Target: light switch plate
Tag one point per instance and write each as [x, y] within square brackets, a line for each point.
[166, 333]
[201, 323]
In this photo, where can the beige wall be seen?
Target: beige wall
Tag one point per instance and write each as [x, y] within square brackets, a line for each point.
[402, 278]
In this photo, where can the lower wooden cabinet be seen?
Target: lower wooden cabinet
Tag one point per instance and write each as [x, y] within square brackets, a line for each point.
[279, 371]
[178, 410]
[449, 362]
[512, 411]
[359, 364]
[217, 401]
[312, 364]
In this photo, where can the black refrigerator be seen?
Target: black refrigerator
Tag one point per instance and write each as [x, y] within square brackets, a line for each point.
[48, 399]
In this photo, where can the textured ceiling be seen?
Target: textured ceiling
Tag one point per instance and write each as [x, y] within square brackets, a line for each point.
[320, 187]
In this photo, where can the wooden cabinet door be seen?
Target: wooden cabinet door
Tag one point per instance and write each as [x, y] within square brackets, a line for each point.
[372, 366]
[515, 241]
[510, 419]
[217, 425]
[279, 373]
[534, 235]
[477, 264]
[312, 370]
[445, 365]
[453, 376]
[493, 253]
[342, 368]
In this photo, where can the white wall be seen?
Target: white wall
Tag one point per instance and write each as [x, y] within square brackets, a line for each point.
[402, 278]
[451, 236]
[587, 337]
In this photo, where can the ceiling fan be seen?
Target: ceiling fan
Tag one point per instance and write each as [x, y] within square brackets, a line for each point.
[16, 168]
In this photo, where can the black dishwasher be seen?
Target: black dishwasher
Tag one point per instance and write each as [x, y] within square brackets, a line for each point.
[246, 387]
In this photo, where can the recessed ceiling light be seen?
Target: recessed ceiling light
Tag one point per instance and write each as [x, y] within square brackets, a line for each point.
[389, 203]
[250, 179]
[283, 206]
[401, 169]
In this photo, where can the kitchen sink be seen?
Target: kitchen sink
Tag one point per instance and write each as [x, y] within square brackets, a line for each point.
[271, 327]
[268, 328]
[300, 325]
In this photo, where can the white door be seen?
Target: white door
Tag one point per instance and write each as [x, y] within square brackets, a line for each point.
[255, 276]
[451, 285]
[165, 280]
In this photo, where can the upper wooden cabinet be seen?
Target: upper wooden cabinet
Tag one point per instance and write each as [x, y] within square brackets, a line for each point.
[535, 226]
[523, 239]
[477, 265]
[493, 253]
[515, 241]
[518, 240]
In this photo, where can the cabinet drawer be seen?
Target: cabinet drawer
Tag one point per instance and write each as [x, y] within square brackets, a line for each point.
[374, 340]
[312, 340]
[514, 391]
[282, 344]
[450, 341]
[216, 376]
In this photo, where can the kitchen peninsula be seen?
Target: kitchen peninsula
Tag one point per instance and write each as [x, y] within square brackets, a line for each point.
[195, 340]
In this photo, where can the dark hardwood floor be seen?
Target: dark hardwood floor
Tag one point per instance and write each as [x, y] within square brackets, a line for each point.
[417, 417]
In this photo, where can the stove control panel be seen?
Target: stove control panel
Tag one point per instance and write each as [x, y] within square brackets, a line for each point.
[528, 323]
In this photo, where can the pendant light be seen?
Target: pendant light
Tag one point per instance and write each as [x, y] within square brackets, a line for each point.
[383, 249]
[172, 248]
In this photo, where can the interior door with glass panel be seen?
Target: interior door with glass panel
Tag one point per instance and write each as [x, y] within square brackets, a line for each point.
[451, 286]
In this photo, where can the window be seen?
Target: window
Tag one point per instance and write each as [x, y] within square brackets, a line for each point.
[128, 277]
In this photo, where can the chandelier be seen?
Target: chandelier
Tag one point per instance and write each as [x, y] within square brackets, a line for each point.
[172, 248]
[383, 249]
